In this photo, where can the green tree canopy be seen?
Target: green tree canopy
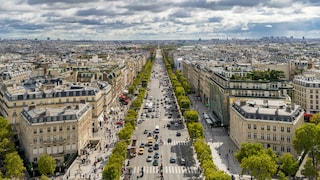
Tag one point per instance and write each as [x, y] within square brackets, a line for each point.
[191, 115]
[249, 149]
[288, 164]
[307, 139]
[315, 118]
[13, 165]
[46, 164]
[261, 166]
[111, 172]
[309, 170]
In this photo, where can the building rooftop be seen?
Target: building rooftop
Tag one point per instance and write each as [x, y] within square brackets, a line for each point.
[271, 110]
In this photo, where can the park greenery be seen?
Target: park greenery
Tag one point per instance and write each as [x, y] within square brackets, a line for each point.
[112, 170]
[11, 164]
[261, 75]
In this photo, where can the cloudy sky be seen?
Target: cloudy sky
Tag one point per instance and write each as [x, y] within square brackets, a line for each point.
[158, 19]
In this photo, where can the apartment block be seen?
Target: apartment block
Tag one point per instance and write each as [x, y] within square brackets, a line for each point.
[55, 131]
[269, 122]
[307, 92]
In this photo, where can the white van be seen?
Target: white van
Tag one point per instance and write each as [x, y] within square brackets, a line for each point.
[156, 129]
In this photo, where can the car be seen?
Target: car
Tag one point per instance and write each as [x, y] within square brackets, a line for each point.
[141, 151]
[171, 122]
[155, 162]
[145, 131]
[180, 121]
[149, 134]
[176, 124]
[172, 160]
[182, 162]
[142, 145]
[140, 121]
[156, 155]
[148, 116]
[169, 140]
[149, 158]
[168, 125]
[150, 149]
[178, 134]
[156, 146]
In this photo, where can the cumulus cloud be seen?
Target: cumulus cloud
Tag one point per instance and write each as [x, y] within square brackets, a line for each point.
[157, 19]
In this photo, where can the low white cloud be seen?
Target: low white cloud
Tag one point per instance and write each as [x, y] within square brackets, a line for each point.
[154, 19]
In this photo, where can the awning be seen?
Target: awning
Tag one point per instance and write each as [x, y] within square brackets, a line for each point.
[120, 122]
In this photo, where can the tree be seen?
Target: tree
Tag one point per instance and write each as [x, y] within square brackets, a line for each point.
[288, 165]
[307, 140]
[111, 171]
[13, 165]
[309, 170]
[249, 149]
[46, 164]
[315, 118]
[44, 177]
[261, 166]
[191, 115]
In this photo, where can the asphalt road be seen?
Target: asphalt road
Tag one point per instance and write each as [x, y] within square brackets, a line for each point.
[164, 112]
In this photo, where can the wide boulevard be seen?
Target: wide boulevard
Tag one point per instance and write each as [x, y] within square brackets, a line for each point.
[176, 155]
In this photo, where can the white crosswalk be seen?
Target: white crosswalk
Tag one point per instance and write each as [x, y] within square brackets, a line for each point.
[166, 169]
[182, 143]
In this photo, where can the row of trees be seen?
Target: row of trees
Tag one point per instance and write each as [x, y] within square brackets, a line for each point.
[10, 162]
[262, 163]
[181, 88]
[268, 75]
[112, 170]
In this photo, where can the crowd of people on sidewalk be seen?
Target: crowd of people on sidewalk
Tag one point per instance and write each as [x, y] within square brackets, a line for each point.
[90, 164]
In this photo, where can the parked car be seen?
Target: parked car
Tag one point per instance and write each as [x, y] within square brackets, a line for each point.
[169, 140]
[178, 134]
[172, 160]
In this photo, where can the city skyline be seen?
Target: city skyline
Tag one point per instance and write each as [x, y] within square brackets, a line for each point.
[158, 20]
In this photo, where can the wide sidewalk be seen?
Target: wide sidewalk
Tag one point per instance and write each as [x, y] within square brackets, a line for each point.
[95, 161]
[221, 145]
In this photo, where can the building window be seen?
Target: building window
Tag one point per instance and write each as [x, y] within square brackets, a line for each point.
[249, 126]
[49, 129]
[60, 128]
[41, 139]
[40, 130]
[268, 137]
[48, 139]
[288, 139]
[73, 127]
[54, 129]
[262, 136]
[282, 138]
[254, 135]
[288, 129]
[282, 129]
[35, 159]
[262, 127]
[35, 140]
[249, 135]
[68, 137]
[274, 148]
[274, 128]
[274, 137]
[34, 131]
[254, 126]
[288, 149]
[14, 104]
[282, 148]
[68, 128]
[268, 128]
